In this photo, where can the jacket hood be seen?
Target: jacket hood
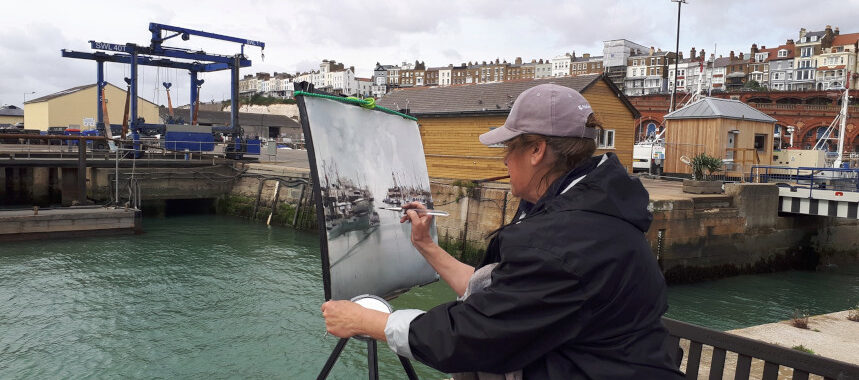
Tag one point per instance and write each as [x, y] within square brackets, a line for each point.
[606, 188]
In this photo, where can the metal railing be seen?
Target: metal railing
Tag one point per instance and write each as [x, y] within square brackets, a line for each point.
[836, 179]
[773, 357]
[102, 148]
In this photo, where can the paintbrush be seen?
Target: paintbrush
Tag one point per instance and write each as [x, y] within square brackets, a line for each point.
[419, 211]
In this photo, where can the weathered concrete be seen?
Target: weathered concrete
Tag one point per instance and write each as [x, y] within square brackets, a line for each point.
[163, 183]
[3, 183]
[475, 211]
[697, 237]
[67, 222]
[256, 195]
[248, 184]
[757, 203]
[69, 186]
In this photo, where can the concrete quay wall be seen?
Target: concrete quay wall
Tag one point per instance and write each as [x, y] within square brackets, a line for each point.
[68, 222]
[267, 190]
[162, 183]
[742, 232]
[693, 237]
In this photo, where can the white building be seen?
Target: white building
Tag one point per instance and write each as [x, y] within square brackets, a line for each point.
[616, 55]
[542, 69]
[617, 52]
[445, 76]
[365, 87]
[561, 64]
[835, 63]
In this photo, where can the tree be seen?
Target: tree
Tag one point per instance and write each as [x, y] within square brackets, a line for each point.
[754, 86]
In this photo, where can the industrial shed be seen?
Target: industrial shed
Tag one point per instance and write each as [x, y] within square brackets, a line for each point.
[254, 124]
[452, 118]
[71, 107]
[728, 129]
[11, 115]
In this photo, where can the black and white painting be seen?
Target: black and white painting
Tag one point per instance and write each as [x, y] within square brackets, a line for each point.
[363, 161]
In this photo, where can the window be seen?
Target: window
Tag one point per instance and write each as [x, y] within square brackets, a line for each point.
[760, 143]
[806, 51]
[782, 53]
[606, 139]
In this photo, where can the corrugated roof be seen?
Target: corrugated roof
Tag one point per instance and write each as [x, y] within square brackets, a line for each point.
[11, 111]
[716, 108]
[74, 90]
[480, 98]
[60, 93]
[245, 118]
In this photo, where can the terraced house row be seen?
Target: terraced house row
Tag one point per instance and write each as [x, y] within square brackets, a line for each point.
[814, 61]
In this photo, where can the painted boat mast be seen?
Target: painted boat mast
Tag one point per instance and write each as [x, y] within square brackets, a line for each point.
[843, 127]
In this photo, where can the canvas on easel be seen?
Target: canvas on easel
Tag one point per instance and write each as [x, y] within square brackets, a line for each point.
[361, 161]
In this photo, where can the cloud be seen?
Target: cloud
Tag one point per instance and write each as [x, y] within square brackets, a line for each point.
[298, 34]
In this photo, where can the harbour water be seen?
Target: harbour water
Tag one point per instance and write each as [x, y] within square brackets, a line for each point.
[218, 297]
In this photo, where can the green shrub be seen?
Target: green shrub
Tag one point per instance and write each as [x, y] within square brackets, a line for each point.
[703, 162]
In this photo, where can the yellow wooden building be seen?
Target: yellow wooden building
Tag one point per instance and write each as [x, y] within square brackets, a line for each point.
[727, 129]
[73, 106]
[452, 118]
[11, 115]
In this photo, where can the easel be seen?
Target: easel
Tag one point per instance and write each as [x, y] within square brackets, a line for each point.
[372, 360]
[375, 303]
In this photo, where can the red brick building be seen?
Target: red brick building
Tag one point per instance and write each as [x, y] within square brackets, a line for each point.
[807, 111]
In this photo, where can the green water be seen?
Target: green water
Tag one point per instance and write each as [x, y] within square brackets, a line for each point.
[216, 297]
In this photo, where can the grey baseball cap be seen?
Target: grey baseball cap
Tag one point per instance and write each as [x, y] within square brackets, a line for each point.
[548, 110]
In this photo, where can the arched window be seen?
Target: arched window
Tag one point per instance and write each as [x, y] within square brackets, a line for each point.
[651, 129]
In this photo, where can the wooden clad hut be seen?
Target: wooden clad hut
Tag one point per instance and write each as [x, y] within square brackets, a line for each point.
[731, 130]
[452, 118]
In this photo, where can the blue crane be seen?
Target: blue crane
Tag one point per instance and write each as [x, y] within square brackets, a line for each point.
[158, 55]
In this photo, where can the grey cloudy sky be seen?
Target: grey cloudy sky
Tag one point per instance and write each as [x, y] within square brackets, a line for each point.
[299, 34]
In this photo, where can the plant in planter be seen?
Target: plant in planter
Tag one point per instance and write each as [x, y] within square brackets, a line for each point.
[703, 162]
[701, 183]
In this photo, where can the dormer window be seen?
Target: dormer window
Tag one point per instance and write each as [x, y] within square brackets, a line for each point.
[782, 53]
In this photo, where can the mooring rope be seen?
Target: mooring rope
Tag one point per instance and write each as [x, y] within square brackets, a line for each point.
[365, 103]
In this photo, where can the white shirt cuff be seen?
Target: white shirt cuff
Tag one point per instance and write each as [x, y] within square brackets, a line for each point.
[397, 331]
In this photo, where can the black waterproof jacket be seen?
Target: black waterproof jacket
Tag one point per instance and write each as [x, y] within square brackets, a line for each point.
[577, 293]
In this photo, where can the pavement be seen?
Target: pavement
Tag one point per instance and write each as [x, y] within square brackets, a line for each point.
[664, 190]
[828, 335]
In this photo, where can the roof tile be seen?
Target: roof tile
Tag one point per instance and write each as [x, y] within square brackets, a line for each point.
[487, 97]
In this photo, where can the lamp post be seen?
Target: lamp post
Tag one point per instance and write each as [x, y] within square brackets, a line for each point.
[790, 130]
[28, 93]
[676, 54]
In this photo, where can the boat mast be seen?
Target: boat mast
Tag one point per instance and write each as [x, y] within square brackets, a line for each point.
[843, 127]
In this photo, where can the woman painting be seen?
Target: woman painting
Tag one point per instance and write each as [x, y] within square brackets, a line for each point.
[568, 290]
